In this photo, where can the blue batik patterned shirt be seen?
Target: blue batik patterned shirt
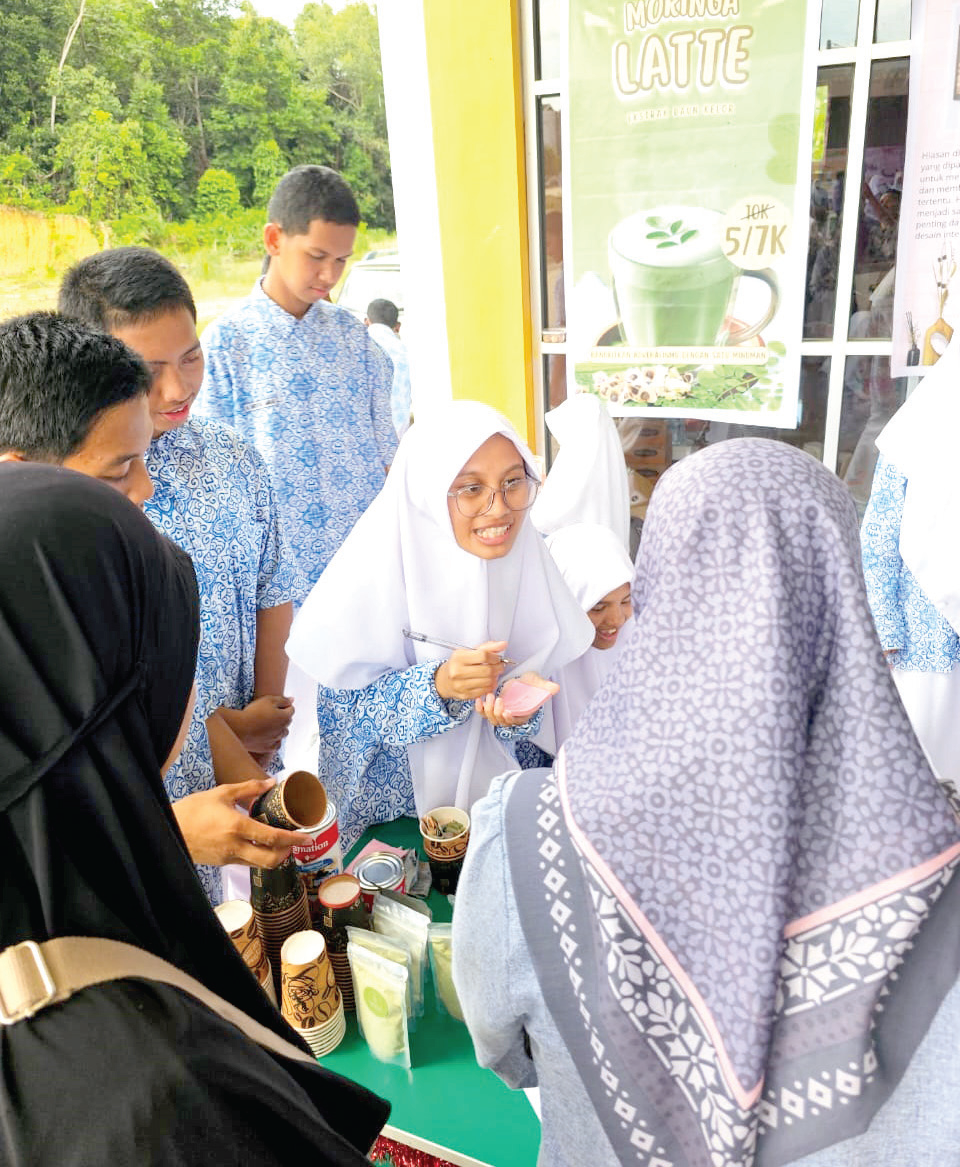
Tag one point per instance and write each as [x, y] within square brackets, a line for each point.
[401, 393]
[213, 497]
[364, 734]
[905, 618]
[313, 395]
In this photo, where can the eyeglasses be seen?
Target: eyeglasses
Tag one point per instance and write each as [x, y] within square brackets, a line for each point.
[475, 500]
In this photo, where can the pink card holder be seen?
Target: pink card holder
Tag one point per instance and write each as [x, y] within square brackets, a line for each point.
[522, 699]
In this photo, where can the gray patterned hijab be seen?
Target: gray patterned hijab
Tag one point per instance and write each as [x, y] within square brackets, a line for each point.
[737, 881]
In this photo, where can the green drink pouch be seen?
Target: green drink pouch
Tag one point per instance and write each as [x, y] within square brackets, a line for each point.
[408, 927]
[380, 989]
[394, 950]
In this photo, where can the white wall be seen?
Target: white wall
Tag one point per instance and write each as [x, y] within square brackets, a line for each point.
[410, 131]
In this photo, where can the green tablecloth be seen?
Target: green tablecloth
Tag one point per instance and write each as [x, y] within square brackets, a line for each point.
[446, 1098]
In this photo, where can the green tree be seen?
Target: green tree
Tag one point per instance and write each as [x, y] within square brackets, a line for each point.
[80, 91]
[263, 97]
[269, 167]
[164, 146]
[86, 102]
[31, 35]
[18, 178]
[112, 38]
[64, 52]
[341, 56]
[106, 165]
[217, 194]
[148, 94]
[187, 41]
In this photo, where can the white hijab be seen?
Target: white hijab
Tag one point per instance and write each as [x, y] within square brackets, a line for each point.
[920, 440]
[593, 563]
[588, 481]
[401, 567]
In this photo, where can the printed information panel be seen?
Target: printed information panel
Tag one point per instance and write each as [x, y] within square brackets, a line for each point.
[927, 296]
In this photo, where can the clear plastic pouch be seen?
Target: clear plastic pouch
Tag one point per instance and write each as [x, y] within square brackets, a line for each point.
[380, 989]
[414, 904]
[441, 962]
[389, 949]
[408, 927]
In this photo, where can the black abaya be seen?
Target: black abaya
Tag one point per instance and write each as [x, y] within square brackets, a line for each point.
[98, 633]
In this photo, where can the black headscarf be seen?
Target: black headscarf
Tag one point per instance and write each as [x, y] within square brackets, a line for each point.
[98, 637]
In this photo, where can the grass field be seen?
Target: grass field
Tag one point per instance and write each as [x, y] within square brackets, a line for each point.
[215, 284]
[216, 280]
[26, 294]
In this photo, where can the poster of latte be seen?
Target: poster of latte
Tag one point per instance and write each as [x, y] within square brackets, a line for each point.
[688, 145]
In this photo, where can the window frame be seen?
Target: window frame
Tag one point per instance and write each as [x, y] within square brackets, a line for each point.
[839, 347]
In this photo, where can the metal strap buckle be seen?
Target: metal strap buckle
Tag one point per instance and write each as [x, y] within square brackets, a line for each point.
[26, 985]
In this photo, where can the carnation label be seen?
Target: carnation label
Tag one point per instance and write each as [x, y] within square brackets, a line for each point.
[322, 856]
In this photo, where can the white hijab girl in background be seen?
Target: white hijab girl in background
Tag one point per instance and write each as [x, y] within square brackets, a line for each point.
[443, 551]
[588, 481]
[597, 569]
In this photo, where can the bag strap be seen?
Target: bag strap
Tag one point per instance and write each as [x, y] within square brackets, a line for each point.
[33, 976]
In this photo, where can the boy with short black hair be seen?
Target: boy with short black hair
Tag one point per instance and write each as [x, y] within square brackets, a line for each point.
[383, 325]
[385, 313]
[213, 497]
[74, 397]
[300, 378]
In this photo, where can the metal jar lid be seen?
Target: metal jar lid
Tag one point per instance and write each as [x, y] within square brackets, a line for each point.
[379, 869]
[339, 891]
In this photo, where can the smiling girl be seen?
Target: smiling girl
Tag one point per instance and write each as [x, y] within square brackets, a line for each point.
[445, 550]
[597, 569]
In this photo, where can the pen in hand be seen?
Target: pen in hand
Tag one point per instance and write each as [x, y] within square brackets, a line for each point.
[424, 639]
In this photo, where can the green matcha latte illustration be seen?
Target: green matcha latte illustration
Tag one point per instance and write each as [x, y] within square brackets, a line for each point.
[674, 286]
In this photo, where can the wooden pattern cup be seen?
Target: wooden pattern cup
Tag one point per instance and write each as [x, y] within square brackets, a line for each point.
[280, 907]
[240, 924]
[446, 847]
[445, 875]
[309, 996]
[276, 889]
[297, 802]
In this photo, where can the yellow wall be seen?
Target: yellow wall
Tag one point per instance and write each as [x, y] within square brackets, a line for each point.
[473, 64]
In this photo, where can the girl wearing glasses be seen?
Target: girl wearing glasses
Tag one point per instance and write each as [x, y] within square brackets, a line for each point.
[444, 550]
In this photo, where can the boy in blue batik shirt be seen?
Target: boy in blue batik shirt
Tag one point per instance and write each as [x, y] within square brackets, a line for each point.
[300, 378]
[74, 397]
[383, 325]
[213, 497]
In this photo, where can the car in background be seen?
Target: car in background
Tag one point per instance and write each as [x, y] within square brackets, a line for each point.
[375, 277]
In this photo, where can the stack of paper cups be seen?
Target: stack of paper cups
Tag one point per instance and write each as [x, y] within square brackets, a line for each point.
[309, 997]
[238, 920]
[340, 902]
[280, 906]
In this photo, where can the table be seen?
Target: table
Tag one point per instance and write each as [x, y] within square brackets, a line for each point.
[446, 1104]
